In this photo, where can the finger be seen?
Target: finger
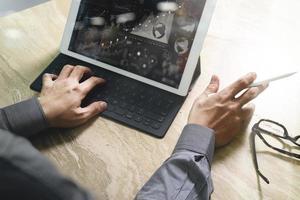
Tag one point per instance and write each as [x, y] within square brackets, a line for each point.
[93, 109]
[251, 94]
[65, 72]
[90, 83]
[239, 85]
[79, 71]
[213, 86]
[48, 79]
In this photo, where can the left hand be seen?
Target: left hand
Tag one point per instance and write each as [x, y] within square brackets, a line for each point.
[61, 97]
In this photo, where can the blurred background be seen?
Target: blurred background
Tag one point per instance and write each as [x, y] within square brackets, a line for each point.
[11, 6]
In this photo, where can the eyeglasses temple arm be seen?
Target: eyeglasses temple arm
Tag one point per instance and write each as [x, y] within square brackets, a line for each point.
[254, 157]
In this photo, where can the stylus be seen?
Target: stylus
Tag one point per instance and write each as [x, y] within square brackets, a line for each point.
[272, 79]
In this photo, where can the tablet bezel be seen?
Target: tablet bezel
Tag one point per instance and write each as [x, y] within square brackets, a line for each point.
[191, 64]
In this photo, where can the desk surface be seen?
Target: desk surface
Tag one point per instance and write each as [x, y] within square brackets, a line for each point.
[114, 161]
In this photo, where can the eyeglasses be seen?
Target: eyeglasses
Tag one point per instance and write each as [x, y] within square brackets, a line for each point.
[278, 132]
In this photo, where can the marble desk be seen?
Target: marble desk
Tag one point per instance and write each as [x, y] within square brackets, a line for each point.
[113, 161]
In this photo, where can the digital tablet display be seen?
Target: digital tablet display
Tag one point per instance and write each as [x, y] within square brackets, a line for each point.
[150, 38]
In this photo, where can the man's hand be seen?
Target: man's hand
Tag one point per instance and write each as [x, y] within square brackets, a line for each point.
[61, 97]
[223, 111]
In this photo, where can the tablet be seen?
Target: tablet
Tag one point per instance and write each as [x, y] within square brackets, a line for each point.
[156, 42]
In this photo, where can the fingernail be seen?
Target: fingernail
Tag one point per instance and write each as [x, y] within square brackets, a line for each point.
[103, 105]
[265, 85]
[214, 79]
[252, 74]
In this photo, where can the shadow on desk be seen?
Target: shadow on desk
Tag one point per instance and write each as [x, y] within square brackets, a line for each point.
[276, 156]
[236, 144]
[58, 136]
[75, 161]
[280, 156]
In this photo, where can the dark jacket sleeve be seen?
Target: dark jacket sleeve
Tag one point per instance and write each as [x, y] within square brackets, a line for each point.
[26, 174]
[25, 118]
[186, 174]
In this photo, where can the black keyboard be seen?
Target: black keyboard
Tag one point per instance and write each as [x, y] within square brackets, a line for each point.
[130, 102]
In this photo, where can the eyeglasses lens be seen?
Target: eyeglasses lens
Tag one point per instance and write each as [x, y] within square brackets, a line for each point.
[271, 127]
[274, 129]
[270, 130]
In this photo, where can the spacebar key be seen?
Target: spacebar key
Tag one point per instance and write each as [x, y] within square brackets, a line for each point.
[119, 111]
[152, 116]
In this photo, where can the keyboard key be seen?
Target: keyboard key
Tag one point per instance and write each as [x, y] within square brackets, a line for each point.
[171, 101]
[129, 115]
[115, 102]
[106, 99]
[141, 91]
[158, 103]
[142, 97]
[119, 111]
[146, 123]
[117, 89]
[138, 119]
[141, 103]
[105, 92]
[110, 108]
[108, 78]
[164, 113]
[156, 125]
[151, 100]
[131, 108]
[155, 117]
[131, 100]
[161, 119]
[132, 87]
[123, 105]
[140, 111]
[123, 97]
[133, 94]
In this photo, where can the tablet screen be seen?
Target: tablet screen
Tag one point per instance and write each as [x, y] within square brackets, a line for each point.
[150, 38]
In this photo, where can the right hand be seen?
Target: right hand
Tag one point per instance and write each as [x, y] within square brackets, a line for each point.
[222, 111]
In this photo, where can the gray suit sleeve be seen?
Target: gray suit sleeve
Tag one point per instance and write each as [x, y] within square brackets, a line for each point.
[26, 167]
[42, 179]
[186, 174]
[25, 118]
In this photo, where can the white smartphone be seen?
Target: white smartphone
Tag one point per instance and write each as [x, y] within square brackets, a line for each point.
[255, 84]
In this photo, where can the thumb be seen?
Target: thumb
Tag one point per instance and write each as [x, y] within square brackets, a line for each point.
[48, 79]
[213, 86]
[95, 108]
